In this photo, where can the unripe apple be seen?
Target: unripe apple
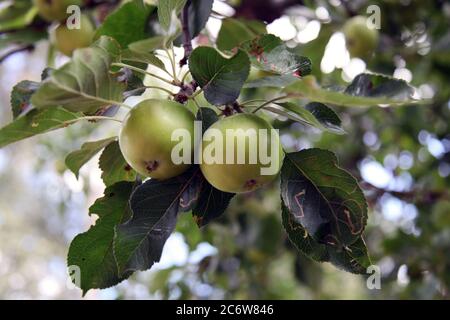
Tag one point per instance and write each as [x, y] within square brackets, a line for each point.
[361, 40]
[68, 40]
[242, 177]
[54, 10]
[146, 137]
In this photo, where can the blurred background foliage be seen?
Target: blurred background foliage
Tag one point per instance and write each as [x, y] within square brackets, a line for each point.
[400, 155]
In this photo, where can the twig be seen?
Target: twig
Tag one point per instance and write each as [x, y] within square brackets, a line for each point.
[28, 47]
[95, 3]
[187, 42]
[417, 196]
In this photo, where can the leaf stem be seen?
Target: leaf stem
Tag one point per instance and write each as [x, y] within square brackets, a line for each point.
[183, 79]
[251, 101]
[159, 88]
[124, 65]
[172, 64]
[195, 101]
[196, 93]
[269, 102]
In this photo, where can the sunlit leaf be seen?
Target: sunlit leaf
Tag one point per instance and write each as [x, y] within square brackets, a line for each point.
[234, 32]
[36, 122]
[317, 115]
[127, 24]
[17, 14]
[355, 95]
[167, 9]
[92, 251]
[85, 83]
[267, 52]
[276, 81]
[113, 165]
[76, 159]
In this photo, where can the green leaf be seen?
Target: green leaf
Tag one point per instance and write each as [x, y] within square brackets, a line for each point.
[325, 199]
[127, 24]
[376, 85]
[21, 95]
[205, 201]
[18, 14]
[277, 81]
[155, 205]
[85, 83]
[354, 258]
[151, 44]
[92, 251]
[167, 9]
[207, 116]
[309, 89]
[199, 12]
[220, 78]
[317, 115]
[211, 203]
[234, 32]
[76, 159]
[148, 45]
[36, 122]
[133, 81]
[301, 238]
[113, 165]
[147, 58]
[140, 51]
[269, 53]
[326, 116]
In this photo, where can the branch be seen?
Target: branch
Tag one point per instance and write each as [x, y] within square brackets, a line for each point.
[187, 43]
[28, 47]
[416, 196]
[95, 3]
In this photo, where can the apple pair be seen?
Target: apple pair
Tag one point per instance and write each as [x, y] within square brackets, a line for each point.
[146, 143]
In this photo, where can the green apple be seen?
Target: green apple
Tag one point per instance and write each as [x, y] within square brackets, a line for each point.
[241, 177]
[67, 40]
[146, 137]
[361, 40]
[54, 10]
